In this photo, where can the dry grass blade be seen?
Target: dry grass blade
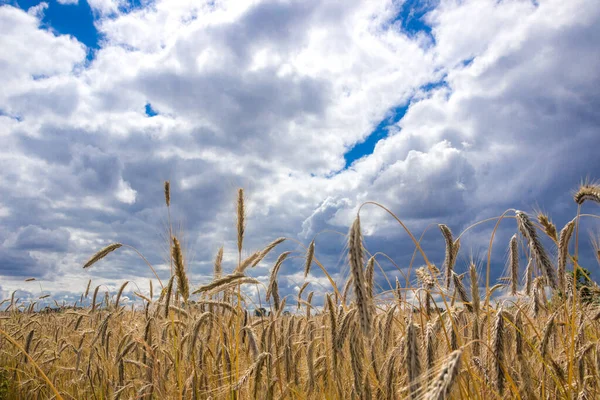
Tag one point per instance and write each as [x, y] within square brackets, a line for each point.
[101, 254]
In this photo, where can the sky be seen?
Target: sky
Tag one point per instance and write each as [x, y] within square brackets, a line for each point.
[443, 111]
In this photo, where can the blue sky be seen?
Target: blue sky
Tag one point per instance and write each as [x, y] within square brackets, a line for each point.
[67, 19]
[444, 111]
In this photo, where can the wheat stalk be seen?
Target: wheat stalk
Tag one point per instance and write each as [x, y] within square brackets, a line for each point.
[218, 267]
[369, 277]
[563, 252]
[548, 226]
[101, 254]
[310, 253]
[356, 359]
[442, 385]
[450, 255]
[168, 294]
[182, 280]
[355, 255]
[274, 272]
[168, 193]
[462, 292]
[411, 357]
[514, 265]
[241, 220]
[119, 294]
[548, 331]
[498, 348]
[528, 230]
[587, 192]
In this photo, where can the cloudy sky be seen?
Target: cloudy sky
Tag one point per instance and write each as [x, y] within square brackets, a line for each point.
[444, 111]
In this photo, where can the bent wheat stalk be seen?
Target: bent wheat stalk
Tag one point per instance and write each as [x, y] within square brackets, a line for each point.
[101, 254]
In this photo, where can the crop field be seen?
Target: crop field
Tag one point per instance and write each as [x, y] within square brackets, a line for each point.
[434, 333]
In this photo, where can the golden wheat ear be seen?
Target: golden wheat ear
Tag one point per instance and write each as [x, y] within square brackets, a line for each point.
[451, 252]
[218, 268]
[101, 254]
[168, 193]
[548, 225]
[442, 385]
[182, 280]
[563, 252]
[513, 261]
[355, 256]
[310, 253]
[241, 219]
[587, 191]
[528, 231]
[596, 245]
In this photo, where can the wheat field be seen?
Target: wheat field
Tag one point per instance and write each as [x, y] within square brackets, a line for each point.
[432, 334]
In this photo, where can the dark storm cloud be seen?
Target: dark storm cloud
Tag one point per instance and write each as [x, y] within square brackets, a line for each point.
[36, 238]
[16, 263]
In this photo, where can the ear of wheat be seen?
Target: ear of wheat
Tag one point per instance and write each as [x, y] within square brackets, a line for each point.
[102, 253]
[381, 339]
